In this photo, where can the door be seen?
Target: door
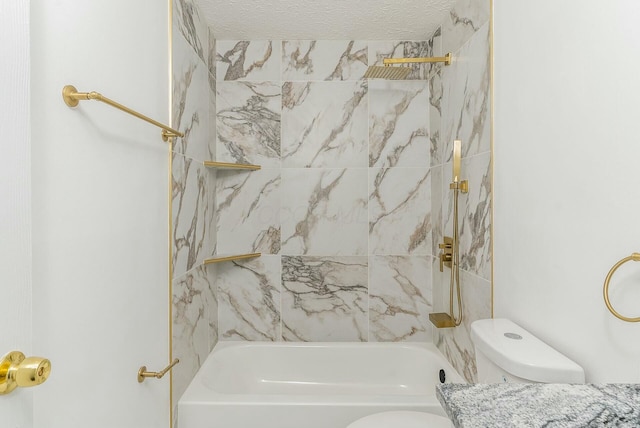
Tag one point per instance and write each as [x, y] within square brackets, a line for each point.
[84, 212]
[16, 409]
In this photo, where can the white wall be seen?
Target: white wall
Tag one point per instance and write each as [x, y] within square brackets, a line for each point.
[100, 212]
[566, 176]
[15, 201]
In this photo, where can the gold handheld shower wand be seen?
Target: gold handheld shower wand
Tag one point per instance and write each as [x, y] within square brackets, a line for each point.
[450, 255]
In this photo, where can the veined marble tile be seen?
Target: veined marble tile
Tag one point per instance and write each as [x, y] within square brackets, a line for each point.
[474, 214]
[435, 116]
[210, 219]
[191, 213]
[211, 59]
[307, 60]
[191, 25]
[190, 110]
[255, 60]
[194, 306]
[248, 123]
[398, 125]
[437, 235]
[212, 119]
[400, 298]
[455, 343]
[249, 299]
[379, 50]
[399, 211]
[324, 124]
[212, 304]
[465, 19]
[435, 100]
[248, 211]
[324, 298]
[475, 240]
[466, 103]
[324, 211]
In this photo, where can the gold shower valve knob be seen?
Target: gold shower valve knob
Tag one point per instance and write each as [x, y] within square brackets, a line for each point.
[18, 371]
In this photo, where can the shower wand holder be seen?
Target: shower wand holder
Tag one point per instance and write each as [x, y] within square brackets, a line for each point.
[462, 186]
[442, 320]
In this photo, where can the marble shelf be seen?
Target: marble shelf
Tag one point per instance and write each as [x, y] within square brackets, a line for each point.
[541, 405]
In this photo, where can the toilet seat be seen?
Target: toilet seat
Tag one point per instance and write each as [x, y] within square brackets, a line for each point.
[402, 418]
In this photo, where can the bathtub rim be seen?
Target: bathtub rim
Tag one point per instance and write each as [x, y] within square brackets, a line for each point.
[197, 393]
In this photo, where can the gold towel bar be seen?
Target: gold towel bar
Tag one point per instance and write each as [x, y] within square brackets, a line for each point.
[636, 258]
[72, 97]
[143, 373]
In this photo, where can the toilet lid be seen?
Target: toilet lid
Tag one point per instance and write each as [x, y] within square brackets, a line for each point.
[404, 419]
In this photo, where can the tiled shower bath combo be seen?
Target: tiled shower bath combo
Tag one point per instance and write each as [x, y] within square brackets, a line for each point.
[352, 198]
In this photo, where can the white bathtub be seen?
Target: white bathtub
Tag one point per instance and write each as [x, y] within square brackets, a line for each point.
[310, 385]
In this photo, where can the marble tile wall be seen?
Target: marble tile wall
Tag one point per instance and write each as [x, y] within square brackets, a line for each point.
[352, 198]
[460, 109]
[341, 209]
[193, 234]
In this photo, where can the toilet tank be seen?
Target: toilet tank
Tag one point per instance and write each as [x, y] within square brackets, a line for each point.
[505, 352]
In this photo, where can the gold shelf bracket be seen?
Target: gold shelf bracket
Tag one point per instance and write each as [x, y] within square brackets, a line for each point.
[229, 257]
[143, 373]
[445, 59]
[227, 165]
[72, 98]
[605, 291]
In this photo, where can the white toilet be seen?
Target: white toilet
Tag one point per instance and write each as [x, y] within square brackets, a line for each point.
[505, 352]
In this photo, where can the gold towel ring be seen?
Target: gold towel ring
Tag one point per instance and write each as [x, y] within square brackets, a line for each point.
[636, 258]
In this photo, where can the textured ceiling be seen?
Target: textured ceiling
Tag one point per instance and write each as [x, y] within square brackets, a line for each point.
[324, 19]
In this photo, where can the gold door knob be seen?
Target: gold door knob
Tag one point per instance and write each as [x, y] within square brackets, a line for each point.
[18, 371]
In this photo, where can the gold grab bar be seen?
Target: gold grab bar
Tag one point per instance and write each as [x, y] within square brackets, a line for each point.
[72, 97]
[143, 373]
[636, 258]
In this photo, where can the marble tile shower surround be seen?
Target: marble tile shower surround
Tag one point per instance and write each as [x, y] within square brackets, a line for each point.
[324, 124]
[248, 123]
[248, 211]
[324, 212]
[399, 211]
[249, 299]
[466, 98]
[398, 133]
[194, 291]
[195, 324]
[400, 298]
[271, 97]
[323, 208]
[460, 109]
[313, 60]
[192, 208]
[324, 299]
[330, 184]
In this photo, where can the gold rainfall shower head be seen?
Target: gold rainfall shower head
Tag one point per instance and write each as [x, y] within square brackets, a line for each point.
[400, 73]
